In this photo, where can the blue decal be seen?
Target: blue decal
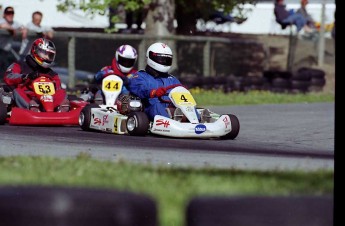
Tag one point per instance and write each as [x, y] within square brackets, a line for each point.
[200, 129]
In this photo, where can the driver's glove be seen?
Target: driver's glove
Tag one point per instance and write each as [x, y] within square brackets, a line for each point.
[158, 92]
[32, 75]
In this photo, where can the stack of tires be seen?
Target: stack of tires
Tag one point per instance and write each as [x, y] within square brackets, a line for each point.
[260, 210]
[74, 206]
[308, 80]
[302, 81]
[277, 81]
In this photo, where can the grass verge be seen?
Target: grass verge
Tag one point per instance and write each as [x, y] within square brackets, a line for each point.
[171, 188]
[216, 97]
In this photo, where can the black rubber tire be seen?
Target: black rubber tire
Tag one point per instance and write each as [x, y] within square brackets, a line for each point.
[207, 83]
[318, 82]
[301, 75]
[142, 123]
[260, 211]
[86, 111]
[273, 74]
[300, 85]
[281, 83]
[3, 113]
[235, 128]
[51, 205]
[254, 81]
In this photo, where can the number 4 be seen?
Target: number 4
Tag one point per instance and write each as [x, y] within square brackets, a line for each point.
[184, 98]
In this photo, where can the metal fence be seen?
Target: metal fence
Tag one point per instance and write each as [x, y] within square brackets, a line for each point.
[194, 56]
[205, 44]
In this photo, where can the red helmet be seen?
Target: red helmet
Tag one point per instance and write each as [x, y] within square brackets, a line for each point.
[43, 52]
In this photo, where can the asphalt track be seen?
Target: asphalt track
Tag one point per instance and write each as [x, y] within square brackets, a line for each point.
[272, 137]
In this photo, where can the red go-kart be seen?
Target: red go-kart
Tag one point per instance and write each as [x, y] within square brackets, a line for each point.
[42, 89]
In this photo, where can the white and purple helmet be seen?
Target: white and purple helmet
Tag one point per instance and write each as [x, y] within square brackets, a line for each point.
[126, 57]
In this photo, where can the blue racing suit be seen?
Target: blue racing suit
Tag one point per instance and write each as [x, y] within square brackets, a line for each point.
[142, 84]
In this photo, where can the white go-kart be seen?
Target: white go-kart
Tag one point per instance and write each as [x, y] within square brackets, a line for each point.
[185, 121]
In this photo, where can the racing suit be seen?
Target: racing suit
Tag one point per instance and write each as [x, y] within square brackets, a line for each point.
[144, 82]
[111, 70]
[23, 91]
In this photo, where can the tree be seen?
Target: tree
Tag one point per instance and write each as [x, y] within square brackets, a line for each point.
[189, 11]
[161, 13]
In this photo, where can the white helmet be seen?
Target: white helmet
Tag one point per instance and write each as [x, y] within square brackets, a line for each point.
[159, 56]
[126, 57]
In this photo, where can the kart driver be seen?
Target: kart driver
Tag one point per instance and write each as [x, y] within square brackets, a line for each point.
[122, 64]
[154, 81]
[36, 63]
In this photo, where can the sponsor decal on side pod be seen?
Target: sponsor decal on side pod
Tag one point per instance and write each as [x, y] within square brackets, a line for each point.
[200, 129]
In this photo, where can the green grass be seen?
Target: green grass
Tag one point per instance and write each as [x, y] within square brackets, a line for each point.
[214, 97]
[171, 188]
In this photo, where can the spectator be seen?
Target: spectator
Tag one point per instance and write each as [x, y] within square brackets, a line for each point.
[310, 29]
[8, 30]
[220, 17]
[134, 15]
[310, 23]
[288, 17]
[36, 27]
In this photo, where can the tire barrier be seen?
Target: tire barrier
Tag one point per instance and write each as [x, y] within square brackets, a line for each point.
[63, 206]
[260, 211]
[302, 81]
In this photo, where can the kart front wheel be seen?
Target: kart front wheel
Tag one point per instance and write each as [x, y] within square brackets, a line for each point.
[235, 128]
[85, 116]
[137, 124]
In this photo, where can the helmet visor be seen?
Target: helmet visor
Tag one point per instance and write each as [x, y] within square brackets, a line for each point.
[45, 55]
[161, 58]
[126, 62]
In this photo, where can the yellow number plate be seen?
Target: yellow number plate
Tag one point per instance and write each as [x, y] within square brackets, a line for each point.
[42, 88]
[183, 98]
[112, 85]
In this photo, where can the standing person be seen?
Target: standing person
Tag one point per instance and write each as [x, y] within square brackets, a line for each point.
[138, 16]
[310, 23]
[36, 27]
[37, 62]
[310, 30]
[8, 30]
[153, 82]
[121, 65]
[288, 17]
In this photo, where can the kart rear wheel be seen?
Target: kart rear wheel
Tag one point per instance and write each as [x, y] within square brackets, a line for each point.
[137, 124]
[85, 116]
[235, 128]
[3, 113]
